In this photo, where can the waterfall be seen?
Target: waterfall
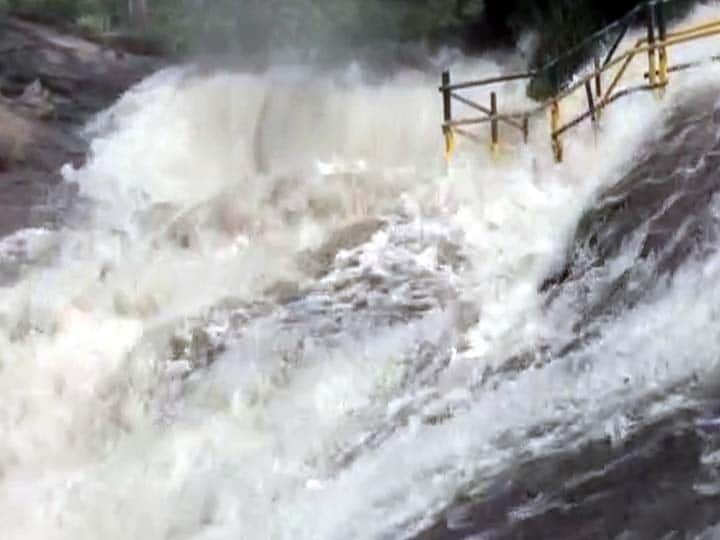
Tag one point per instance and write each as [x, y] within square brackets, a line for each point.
[278, 313]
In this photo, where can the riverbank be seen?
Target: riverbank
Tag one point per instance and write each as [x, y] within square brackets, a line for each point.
[51, 83]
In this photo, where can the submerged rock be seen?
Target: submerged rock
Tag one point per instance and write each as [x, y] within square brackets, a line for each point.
[318, 262]
[283, 291]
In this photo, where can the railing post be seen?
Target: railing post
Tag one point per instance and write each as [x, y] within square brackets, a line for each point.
[526, 129]
[662, 35]
[447, 115]
[447, 101]
[598, 78]
[591, 102]
[598, 86]
[494, 127]
[554, 128]
[652, 66]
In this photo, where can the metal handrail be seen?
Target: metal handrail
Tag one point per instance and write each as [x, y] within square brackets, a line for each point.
[658, 80]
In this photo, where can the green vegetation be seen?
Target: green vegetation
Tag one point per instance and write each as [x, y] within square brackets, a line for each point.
[327, 29]
[302, 24]
[190, 25]
[569, 32]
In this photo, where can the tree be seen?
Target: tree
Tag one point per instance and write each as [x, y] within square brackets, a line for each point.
[138, 14]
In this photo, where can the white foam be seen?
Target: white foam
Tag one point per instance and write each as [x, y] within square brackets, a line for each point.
[205, 187]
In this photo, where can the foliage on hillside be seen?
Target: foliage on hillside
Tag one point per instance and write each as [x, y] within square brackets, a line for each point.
[187, 25]
[327, 28]
[307, 23]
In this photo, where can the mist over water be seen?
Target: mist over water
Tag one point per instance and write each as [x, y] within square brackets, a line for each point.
[278, 313]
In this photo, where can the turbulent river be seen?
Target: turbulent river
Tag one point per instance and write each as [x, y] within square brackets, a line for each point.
[275, 312]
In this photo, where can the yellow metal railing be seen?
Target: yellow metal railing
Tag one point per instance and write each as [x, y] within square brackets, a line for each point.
[655, 45]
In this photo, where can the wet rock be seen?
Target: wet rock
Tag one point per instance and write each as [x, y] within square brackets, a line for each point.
[283, 291]
[67, 66]
[50, 85]
[450, 254]
[140, 307]
[641, 489]
[318, 262]
[197, 349]
[37, 100]
[196, 343]
[666, 206]
[179, 347]
[203, 350]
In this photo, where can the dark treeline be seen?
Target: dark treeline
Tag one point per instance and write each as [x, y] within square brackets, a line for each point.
[560, 24]
[473, 24]
[505, 19]
[332, 29]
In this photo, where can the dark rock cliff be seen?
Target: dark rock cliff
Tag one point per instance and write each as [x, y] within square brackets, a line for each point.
[658, 219]
[50, 84]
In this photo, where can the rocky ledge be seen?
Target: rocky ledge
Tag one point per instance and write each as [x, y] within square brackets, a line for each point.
[50, 85]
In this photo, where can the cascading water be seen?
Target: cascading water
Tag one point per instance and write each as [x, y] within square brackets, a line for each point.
[276, 313]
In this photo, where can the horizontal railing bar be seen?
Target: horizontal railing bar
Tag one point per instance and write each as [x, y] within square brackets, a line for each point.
[674, 38]
[627, 55]
[688, 65]
[470, 103]
[518, 115]
[578, 120]
[615, 97]
[485, 82]
[484, 120]
[508, 119]
[464, 122]
[501, 118]
[642, 46]
[542, 107]
[694, 29]
[633, 52]
[469, 135]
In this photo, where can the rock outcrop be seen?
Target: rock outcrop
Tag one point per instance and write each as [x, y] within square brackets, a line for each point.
[50, 85]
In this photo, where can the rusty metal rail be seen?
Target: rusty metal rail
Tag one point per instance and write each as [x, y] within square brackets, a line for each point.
[655, 45]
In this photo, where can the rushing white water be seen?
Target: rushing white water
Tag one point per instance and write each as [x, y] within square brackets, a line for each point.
[357, 408]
